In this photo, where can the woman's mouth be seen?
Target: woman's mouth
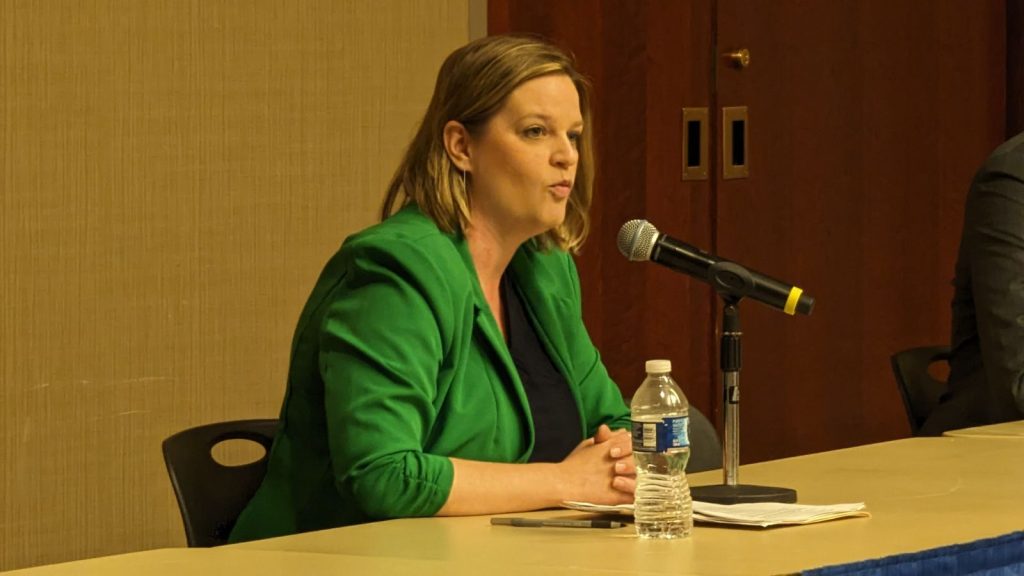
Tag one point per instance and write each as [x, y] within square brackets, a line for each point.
[561, 190]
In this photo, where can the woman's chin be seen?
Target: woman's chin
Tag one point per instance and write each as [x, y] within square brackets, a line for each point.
[555, 217]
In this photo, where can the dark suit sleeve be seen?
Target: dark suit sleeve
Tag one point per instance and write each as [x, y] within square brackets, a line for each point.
[995, 242]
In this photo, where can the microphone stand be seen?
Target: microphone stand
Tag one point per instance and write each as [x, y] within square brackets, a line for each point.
[732, 281]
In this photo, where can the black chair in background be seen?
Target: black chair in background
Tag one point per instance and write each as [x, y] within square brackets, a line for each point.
[705, 447]
[921, 392]
[212, 495]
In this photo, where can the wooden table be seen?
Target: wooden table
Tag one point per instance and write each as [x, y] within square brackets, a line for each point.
[225, 561]
[922, 493]
[1013, 429]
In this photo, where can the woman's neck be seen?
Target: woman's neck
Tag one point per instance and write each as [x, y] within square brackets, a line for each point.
[491, 253]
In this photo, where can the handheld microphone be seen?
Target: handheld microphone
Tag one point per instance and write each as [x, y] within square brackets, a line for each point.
[640, 240]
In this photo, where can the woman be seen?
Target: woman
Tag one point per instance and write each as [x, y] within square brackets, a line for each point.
[441, 365]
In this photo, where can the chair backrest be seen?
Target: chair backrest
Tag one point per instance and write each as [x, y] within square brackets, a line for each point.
[921, 392]
[212, 495]
[705, 447]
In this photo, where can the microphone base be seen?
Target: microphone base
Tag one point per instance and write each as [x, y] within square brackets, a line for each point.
[742, 494]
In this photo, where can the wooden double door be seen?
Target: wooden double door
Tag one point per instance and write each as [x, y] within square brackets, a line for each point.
[865, 121]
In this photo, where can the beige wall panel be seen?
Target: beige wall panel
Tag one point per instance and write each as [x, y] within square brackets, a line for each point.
[174, 175]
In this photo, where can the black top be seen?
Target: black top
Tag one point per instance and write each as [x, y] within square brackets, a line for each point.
[556, 420]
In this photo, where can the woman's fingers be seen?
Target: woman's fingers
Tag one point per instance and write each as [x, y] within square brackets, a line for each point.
[624, 484]
[603, 467]
[625, 467]
[622, 445]
[603, 434]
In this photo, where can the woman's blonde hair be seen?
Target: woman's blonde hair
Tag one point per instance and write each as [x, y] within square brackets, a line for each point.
[471, 87]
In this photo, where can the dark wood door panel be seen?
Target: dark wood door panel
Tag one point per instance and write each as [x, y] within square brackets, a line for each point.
[867, 121]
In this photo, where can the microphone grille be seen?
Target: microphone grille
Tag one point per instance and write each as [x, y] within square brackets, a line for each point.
[636, 239]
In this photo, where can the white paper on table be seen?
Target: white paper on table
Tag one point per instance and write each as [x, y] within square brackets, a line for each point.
[599, 508]
[763, 514]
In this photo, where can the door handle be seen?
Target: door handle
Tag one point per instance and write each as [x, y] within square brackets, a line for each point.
[695, 143]
[739, 58]
[735, 143]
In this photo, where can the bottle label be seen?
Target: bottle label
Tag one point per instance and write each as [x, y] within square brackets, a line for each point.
[661, 435]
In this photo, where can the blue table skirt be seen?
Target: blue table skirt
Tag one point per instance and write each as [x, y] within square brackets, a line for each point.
[999, 556]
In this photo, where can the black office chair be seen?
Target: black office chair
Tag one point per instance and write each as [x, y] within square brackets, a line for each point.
[705, 447]
[211, 495]
[920, 391]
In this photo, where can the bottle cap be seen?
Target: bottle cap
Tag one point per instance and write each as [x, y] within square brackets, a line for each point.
[659, 366]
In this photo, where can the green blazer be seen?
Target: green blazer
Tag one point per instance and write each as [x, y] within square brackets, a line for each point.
[397, 364]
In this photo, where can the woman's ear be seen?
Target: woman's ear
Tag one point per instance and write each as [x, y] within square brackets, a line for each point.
[457, 144]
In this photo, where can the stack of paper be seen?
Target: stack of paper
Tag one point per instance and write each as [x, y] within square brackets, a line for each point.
[766, 514]
[761, 514]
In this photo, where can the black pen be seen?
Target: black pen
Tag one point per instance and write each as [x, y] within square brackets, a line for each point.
[556, 522]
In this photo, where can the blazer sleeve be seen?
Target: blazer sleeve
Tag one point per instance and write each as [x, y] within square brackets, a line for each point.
[600, 398]
[995, 243]
[381, 342]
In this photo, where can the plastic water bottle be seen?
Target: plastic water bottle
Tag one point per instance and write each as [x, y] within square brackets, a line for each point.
[661, 448]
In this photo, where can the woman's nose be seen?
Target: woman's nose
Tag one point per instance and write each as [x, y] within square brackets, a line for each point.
[565, 155]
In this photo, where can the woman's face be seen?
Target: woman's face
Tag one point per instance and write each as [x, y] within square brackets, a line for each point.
[523, 163]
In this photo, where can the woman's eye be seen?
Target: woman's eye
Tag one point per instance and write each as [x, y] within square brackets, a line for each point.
[534, 132]
[574, 137]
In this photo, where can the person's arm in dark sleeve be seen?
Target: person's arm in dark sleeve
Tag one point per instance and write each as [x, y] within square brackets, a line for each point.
[995, 244]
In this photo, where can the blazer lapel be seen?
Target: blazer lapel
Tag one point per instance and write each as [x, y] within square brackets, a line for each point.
[487, 326]
[546, 307]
